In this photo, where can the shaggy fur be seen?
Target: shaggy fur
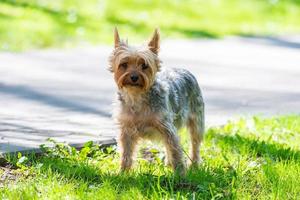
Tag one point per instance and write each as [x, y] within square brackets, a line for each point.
[153, 102]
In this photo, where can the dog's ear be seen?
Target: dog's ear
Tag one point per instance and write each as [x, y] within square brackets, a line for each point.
[154, 42]
[117, 38]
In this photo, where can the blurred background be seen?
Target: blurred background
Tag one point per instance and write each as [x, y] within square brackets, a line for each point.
[54, 80]
[31, 24]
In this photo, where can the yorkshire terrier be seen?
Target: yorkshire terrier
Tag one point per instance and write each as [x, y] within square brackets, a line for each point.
[155, 102]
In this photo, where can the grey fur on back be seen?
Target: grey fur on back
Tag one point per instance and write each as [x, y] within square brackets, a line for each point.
[176, 92]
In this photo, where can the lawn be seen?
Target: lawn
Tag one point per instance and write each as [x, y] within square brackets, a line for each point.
[257, 158]
[28, 24]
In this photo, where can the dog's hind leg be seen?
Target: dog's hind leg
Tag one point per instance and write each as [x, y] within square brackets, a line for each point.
[195, 127]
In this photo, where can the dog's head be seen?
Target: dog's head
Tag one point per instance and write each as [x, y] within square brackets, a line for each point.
[134, 68]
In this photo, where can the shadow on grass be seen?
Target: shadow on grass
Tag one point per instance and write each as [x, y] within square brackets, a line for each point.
[5, 16]
[32, 6]
[62, 17]
[189, 32]
[193, 33]
[203, 182]
[255, 147]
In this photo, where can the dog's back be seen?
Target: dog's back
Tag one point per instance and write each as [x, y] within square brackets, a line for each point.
[180, 95]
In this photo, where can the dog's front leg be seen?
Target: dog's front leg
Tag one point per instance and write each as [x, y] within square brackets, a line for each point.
[127, 143]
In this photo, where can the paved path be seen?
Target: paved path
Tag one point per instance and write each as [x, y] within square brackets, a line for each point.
[67, 94]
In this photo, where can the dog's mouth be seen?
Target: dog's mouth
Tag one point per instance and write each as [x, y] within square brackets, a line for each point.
[127, 82]
[133, 85]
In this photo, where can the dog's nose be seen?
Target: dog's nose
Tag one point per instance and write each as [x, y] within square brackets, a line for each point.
[134, 78]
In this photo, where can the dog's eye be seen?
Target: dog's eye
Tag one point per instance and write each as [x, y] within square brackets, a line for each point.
[123, 65]
[144, 66]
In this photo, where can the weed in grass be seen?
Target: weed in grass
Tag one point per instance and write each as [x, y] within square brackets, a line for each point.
[240, 161]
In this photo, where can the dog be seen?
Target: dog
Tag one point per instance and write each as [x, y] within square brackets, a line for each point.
[154, 102]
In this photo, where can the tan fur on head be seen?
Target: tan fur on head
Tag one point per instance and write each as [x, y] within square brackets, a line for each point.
[127, 61]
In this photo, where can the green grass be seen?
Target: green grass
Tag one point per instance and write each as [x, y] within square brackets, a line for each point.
[27, 24]
[255, 158]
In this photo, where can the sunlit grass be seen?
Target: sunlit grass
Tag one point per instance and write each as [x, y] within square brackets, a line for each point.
[26, 24]
[254, 158]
